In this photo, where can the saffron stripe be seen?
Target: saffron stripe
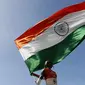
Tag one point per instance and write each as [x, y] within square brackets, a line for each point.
[34, 31]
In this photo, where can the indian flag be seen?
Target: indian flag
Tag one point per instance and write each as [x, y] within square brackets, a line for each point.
[53, 38]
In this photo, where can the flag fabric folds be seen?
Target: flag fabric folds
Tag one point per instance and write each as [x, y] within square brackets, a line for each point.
[53, 38]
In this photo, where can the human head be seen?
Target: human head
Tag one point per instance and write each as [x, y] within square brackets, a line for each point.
[48, 64]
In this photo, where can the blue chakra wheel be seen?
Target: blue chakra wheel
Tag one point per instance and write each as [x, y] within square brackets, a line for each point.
[61, 28]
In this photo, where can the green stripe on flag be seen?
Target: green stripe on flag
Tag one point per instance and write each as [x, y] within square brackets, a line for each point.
[58, 52]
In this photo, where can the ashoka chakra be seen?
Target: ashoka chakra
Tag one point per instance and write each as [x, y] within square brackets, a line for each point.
[61, 28]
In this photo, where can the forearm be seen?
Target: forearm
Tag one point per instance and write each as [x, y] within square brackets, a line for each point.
[36, 75]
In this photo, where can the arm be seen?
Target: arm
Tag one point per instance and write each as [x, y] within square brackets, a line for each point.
[36, 75]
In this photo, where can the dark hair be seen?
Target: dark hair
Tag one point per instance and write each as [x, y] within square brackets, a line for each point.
[48, 64]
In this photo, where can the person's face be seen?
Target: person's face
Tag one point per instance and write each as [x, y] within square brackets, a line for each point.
[49, 65]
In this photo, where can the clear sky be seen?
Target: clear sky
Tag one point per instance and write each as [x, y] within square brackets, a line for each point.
[16, 16]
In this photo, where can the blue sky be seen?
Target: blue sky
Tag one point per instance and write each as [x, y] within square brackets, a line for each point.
[16, 16]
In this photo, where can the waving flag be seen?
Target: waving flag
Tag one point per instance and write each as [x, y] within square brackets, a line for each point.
[53, 38]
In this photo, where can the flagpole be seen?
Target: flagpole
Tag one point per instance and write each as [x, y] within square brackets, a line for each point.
[38, 82]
